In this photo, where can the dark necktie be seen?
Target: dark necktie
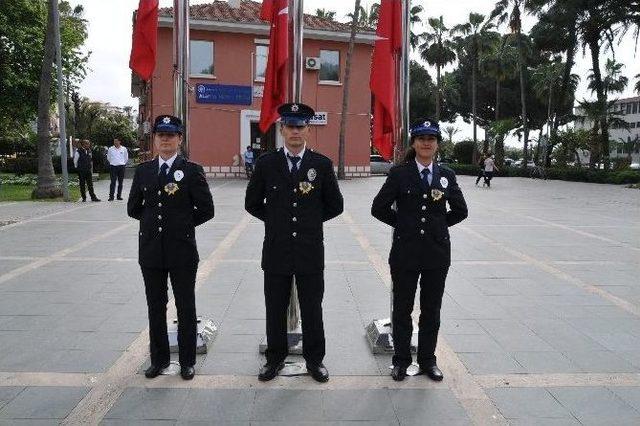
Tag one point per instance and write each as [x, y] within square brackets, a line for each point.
[294, 163]
[425, 177]
[162, 175]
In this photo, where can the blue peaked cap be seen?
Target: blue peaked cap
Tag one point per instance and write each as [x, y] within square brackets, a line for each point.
[295, 114]
[425, 126]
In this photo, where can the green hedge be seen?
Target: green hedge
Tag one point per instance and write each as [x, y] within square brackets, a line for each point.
[572, 174]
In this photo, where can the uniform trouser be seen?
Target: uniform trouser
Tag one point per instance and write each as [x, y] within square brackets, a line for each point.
[480, 175]
[117, 172]
[404, 291]
[487, 178]
[86, 180]
[183, 281]
[277, 292]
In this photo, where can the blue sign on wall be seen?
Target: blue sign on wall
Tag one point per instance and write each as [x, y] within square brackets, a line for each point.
[223, 94]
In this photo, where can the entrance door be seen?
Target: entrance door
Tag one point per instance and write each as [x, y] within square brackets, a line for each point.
[262, 142]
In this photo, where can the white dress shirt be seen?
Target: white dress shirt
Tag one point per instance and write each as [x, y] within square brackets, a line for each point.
[169, 162]
[117, 156]
[288, 153]
[421, 168]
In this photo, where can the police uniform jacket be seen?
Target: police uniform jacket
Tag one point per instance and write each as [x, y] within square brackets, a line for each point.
[420, 217]
[167, 221]
[293, 210]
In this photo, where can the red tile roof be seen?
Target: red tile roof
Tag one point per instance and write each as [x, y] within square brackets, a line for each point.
[249, 13]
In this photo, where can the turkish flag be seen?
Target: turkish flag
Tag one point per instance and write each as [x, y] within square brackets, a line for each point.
[145, 36]
[275, 87]
[384, 70]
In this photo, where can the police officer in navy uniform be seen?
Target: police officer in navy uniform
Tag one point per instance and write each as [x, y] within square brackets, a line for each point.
[414, 200]
[294, 191]
[170, 197]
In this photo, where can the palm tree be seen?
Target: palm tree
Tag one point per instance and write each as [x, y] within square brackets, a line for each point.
[477, 33]
[500, 129]
[613, 82]
[326, 14]
[637, 87]
[414, 18]
[367, 17]
[438, 51]
[500, 63]
[345, 93]
[450, 131]
[511, 11]
[46, 186]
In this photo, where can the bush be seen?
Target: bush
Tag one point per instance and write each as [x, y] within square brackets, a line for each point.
[463, 152]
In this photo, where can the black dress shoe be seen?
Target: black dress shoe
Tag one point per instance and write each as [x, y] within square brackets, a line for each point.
[398, 373]
[318, 372]
[433, 372]
[187, 373]
[110, 198]
[154, 370]
[269, 371]
[96, 199]
[120, 198]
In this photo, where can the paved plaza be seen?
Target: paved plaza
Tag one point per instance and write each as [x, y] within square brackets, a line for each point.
[540, 320]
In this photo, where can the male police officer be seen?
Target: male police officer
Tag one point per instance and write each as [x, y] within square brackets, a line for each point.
[421, 190]
[170, 197]
[294, 190]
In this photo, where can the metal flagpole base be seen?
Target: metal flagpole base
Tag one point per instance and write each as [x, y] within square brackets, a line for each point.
[294, 338]
[380, 337]
[207, 332]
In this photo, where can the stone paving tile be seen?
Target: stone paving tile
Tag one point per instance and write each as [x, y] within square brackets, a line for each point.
[286, 405]
[218, 405]
[149, 404]
[367, 405]
[527, 403]
[438, 406]
[8, 394]
[491, 363]
[546, 362]
[600, 361]
[596, 405]
[43, 403]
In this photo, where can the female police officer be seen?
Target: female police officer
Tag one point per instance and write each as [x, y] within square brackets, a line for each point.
[420, 190]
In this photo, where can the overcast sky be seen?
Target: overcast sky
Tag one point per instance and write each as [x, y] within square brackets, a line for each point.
[110, 43]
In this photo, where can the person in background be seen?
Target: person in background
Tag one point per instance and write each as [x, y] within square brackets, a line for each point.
[83, 162]
[249, 161]
[117, 156]
[489, 168]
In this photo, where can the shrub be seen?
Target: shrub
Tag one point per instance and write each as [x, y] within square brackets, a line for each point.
[463, 152]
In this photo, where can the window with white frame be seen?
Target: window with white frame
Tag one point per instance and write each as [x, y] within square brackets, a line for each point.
[201, 57]
[330, 66]
[262, 54]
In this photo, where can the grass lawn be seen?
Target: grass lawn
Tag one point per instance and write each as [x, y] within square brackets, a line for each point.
[23, 193]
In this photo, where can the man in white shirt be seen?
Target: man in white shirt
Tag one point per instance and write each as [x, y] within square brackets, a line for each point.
[489, 168]
[117, 156]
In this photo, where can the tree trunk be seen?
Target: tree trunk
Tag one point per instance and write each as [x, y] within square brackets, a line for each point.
[46, 186]
[345, 93]
[499, 150]
[566, 77]
[523, 100]
[474, 83]
[438, 88]
[497, 99]
[594, 47]
[547, 151]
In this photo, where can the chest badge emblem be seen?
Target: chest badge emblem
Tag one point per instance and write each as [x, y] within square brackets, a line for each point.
[444, 182]
[178, 175]
[312, 175]
[436, 194]
[305, 187]
[171, 188]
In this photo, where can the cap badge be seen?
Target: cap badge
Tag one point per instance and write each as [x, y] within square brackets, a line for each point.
[444, 182]
[295, 108]
[166, 120]
[312, 174]
[427, 124]
[178, 175]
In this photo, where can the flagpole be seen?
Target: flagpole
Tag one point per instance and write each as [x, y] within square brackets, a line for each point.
[181, 67]
[296, 33]
[405, 74]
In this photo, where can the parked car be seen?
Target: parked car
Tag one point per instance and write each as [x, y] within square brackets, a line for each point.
[518, 163]
[509, 161]
[634, 166]
[379, 165]
[447, 160]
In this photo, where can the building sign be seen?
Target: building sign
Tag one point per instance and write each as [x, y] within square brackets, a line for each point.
[320, 119]
[223, 94]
